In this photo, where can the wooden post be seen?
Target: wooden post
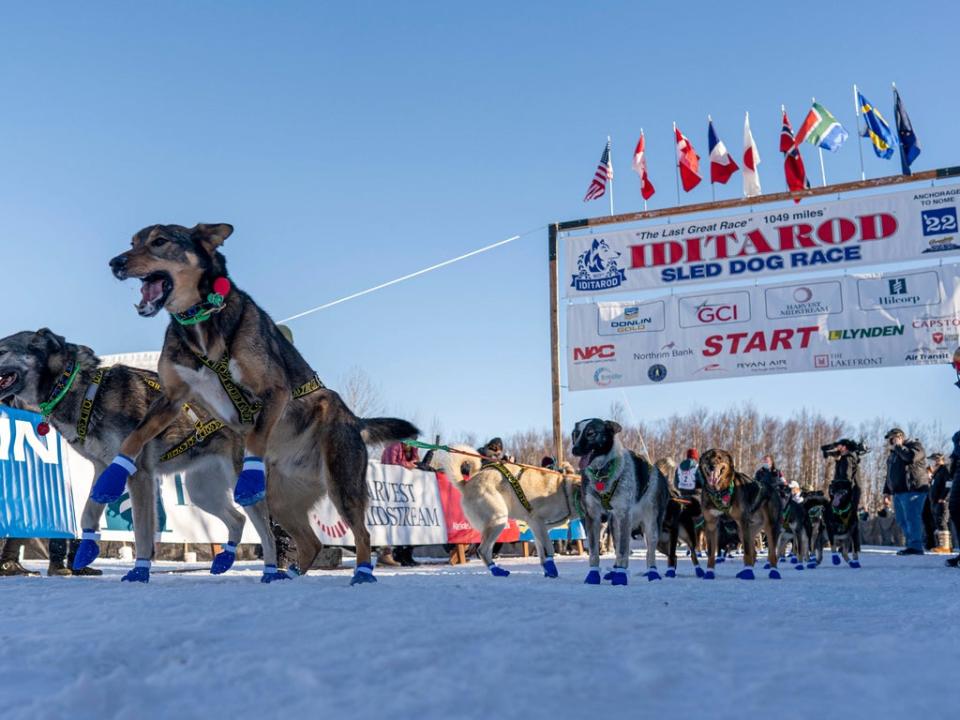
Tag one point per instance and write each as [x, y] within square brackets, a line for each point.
[555, 343]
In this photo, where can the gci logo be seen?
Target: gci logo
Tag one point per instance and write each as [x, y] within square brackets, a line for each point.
[594, 352]
[707, 313]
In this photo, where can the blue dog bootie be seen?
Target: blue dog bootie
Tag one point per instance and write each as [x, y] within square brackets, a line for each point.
[88, 550]
[619, 576]
[767, 566]
[774, 574]
[363, 574]
[550, 568]
[854, 564]
[223, 560]
[699, 571]
[593, 577]
[709, 575]
[140, 572]
[671, 572]
[799, 566]
[270, 574]
[746, 574]
[835, 559]
[251, 486]
[109, 486]
[651, 574]
[793, 559]
[497, 571]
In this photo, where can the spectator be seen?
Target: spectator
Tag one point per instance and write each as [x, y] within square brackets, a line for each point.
[492, 452]
[888, 531]
[408, 457]
[10, 559]
[848, 463]
[769, 474]
[953, 499]
[795, 494]
[907, 483]
[939, 490]
[62, 552]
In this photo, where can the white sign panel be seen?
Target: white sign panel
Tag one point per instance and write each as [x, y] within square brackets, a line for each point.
[876, 229]
[888, 320]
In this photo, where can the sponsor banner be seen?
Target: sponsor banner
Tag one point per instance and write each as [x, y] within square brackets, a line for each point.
[858, 321]
[896, 227]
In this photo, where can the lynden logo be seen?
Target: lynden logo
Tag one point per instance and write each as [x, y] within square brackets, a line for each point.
[594, 353]
[870, 332]
[835, 361]
[597, 268]
[604, 376]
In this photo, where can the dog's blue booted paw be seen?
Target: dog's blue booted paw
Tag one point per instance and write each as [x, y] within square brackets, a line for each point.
[854, 564]
[223, 560]
[709, 575]
[619, 577]
[793, 559]
[835, 559]
[720, 560]
[671, 572]
[812, 565]
[766, 566]
[699, 571]
[498, 571]
[251, 486]
[140, 573]
[550, 569]
[271, 574]
[798, 566]
[87, 551]
[652, 575]
[746, 574]
[110, 485]
[774, 574]
[363, 574]
[593, 577]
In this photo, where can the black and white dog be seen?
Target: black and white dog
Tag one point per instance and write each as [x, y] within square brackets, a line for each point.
[622, 486]
[843, 522]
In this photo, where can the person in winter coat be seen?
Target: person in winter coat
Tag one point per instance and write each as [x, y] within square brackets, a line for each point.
[939, 490]
[769, 474]
[848, 463]
[408, 457]
[887, 529]
[492, 452]
[953, 499]
[908, 484]
[687, 479]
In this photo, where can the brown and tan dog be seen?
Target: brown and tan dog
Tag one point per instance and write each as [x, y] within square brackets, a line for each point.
[753, 508]
[222, 351]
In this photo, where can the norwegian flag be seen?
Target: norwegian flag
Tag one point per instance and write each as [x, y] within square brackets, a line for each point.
[598, 186]
[687, 160]
[722, 166]
[640, 167]
[793, 169]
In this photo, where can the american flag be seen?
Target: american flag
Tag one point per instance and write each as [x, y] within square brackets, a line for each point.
[598, 186]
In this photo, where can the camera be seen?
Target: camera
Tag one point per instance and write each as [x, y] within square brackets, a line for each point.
[832, 450]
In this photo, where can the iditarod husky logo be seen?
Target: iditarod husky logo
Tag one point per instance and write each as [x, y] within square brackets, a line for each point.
[597, 268]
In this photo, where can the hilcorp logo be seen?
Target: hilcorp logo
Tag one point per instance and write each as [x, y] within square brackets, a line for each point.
[18, 435]
[760, 341]
[594, 353]
[898, 293]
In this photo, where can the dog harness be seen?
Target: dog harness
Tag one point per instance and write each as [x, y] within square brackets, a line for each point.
[514, 481]
[720, 500]
[843, 514]
[599, 480]
[60, 389]
[86, 407]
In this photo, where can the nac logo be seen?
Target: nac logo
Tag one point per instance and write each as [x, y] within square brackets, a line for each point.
[594, 352]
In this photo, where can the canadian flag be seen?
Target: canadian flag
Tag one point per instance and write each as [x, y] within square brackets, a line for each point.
[751, 159]
[687, 160]
[640, 167]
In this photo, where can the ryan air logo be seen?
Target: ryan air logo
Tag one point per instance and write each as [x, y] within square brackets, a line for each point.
[657, 373]
[594, 353]
[604, 377]
[597, 268]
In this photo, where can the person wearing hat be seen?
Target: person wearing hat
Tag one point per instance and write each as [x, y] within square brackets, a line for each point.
[687, 476]
[795, 494]
[939, 490]
[492, 452]
[848, 463]
[907, 482]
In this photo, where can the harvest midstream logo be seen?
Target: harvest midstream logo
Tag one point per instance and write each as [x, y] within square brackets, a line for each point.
[870, 332]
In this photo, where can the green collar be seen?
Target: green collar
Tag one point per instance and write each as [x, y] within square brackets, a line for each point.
[61, 388]
[720, 500]
[202, 311]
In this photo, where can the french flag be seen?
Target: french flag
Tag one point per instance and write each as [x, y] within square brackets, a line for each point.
[722, 166]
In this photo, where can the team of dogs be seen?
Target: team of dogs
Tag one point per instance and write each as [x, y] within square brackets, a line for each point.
[234, 402]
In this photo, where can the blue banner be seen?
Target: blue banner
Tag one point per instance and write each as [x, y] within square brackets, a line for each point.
[35, 499]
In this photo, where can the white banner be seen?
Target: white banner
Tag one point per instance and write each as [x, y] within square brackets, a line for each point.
[857, 321]
[404, 509]
[871, 230]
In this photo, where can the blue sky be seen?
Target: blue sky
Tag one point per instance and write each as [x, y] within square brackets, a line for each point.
[351, 143]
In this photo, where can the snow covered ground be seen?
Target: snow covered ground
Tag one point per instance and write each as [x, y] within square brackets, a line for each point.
[443, 642]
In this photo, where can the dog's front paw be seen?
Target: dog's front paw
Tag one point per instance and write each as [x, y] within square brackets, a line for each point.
[498, 571]
[709, 575]
[699, 571]
[671, 572]
[652, 575]
[767, 566]
[799, 566]
[619, 576]
[593, 577]
[109, 486]
[251, 486]
[793, 559]
[854, 564]
[87, 551]
[140, 573]
[835, 559]
[774, 574]
[271, 574]
[812, 565]
[720, 560]
[746, 574]
[363, 574]
[550, 569]
[223, 560]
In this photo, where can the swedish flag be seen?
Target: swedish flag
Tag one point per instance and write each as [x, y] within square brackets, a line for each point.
[881, 137]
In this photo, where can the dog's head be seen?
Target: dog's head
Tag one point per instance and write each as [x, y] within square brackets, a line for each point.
[30, 362]
[716, 467]
[593, 438]
[840, 493]
[176, 265]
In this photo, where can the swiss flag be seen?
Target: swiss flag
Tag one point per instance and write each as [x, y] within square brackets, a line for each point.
[688, 161]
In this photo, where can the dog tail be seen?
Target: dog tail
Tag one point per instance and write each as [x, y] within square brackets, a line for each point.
[386, 430]
[456, 466]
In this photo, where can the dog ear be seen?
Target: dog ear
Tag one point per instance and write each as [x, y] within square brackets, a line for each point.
[45, 337]
[613, 427]
[211, 236]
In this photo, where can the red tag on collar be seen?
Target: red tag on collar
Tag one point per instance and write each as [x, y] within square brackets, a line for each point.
[600, 486]
[42, 429]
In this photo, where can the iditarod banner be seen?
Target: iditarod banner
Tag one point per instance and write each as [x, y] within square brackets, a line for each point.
[870, 230]
[850, 322]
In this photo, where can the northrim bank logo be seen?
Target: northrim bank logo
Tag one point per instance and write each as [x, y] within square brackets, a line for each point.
[597, 268]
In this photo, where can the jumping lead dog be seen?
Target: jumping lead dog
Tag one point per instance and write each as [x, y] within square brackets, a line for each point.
[94, 408]
[623, 486]
[223, 351]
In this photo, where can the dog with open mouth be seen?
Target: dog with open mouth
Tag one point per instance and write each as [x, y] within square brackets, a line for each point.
[223, 351]
[626, 488]
[728, 492]
[94, 408]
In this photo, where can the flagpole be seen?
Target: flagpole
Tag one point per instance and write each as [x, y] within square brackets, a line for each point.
[856, 107]
[713, 187]
[610, 161]
[676, 162]
[823, 173]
